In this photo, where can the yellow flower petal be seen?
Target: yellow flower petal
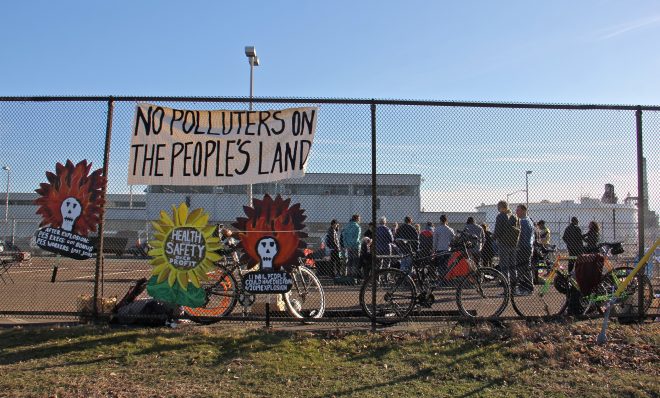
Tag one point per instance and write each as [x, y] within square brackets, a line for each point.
[175, 216]
[160, 260]
[208, 231]
[158, 226]
[165, 218]
[194, 279]
[214, 246]
[194, 215]
[163, 275]
[156, 251]
[182, 278]
[212, 256]
[172, 277]
[183, 214]
[201, 221]
[159, 268]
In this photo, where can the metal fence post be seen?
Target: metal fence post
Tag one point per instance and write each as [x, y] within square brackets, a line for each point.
[106, 160]
[641, 205]
[373, 214]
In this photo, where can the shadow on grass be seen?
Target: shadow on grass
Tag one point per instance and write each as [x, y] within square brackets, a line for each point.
[448, 358]
[47, 343]
[112, 344]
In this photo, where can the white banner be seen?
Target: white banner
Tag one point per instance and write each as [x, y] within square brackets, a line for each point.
[224, 147]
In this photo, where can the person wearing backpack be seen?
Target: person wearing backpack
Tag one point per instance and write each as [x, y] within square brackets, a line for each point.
[506, 234]
[350, 237]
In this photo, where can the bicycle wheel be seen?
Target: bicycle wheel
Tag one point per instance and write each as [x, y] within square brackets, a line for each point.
[306, 299]
[221, 294]
[395, 296]
[628, 304]
[484, 293]
[547, 300]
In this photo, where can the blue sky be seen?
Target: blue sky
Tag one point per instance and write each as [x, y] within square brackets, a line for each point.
[515, 51]
[560, 51]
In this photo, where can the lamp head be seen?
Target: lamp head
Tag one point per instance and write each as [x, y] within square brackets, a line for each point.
[6, 168]
[250, 52]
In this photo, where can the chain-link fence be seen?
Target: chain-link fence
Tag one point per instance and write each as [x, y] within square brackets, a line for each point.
[400, 166]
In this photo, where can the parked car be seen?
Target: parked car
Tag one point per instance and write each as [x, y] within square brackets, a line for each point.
[141, 248]
[10, 253]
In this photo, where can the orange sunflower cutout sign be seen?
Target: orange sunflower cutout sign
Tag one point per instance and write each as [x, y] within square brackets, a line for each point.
[184, 251]
[271, 236]
[69, 204]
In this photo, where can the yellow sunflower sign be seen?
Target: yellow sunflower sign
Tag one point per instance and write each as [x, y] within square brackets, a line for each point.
[184, 251]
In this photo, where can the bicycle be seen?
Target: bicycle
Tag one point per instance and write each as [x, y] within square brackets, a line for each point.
[480, 291]
[543, 258]
[545, 301]
[622, 288]
[224, 289]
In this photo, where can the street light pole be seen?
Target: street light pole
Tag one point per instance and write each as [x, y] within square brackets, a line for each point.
[7, 169]
[527, 187]
[512, 193]
[251, 53]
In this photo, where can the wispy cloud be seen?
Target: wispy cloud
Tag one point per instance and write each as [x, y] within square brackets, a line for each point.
[628, 27]
[547, 158]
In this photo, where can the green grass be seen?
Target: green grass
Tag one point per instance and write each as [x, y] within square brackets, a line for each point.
[549, 360]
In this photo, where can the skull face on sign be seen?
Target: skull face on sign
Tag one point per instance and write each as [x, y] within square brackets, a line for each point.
[70, 210]
[267, 247]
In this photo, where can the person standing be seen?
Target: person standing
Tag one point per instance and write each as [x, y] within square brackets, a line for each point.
[573, 239]
[366, 246]
[408, 233]
[543, 234]
[332, 244]
[351, 240]
[591, 238]
[487, 250]
[442, 238]
[384, 240]
[426, 243]
[523, 274]
[477, 242]
[506, 234]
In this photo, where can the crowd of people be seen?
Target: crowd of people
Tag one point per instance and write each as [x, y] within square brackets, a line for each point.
[513, 241]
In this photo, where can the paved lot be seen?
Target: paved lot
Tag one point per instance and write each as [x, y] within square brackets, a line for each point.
[32, 290]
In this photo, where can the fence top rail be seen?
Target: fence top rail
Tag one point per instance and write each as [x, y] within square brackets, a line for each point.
[354, 101]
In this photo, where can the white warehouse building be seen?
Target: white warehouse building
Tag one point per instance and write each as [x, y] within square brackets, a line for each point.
[618, 222]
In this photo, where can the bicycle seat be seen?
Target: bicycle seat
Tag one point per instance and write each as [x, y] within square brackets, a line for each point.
[614, 247]
[549, 249]
[227, 250]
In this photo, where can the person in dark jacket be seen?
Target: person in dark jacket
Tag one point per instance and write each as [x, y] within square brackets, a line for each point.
[478, 233]
[591, 238]
[332, 244]
[487, 251]
[524, 274]
[507, 232]
[384, 242]
[408, 242]
[573, 238]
